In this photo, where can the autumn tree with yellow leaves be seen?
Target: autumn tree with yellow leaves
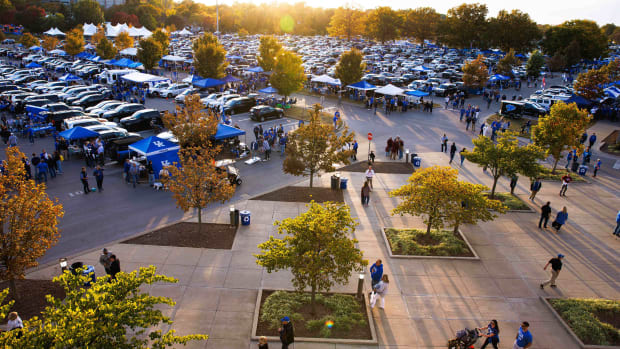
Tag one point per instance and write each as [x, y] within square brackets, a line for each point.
[28, 220]
[49, 43]
[123, 41]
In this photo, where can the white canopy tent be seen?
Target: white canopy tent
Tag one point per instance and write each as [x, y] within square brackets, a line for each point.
[54, 32]
[184, 32]
[172, 58]
[326, 79]
[130, 51]
[390, 90]
[89, 29]
[143, 78]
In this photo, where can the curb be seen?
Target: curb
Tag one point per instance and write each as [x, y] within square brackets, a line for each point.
[570, 331]
[371, 325]
[401, 256]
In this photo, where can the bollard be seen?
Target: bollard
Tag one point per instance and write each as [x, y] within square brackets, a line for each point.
[360, 286]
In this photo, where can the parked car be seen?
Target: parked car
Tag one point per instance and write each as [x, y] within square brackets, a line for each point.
[141, 120]
[156, 90]
[174, 90]
[239, 105]
[122, 110]
[517, 109]
[262, 112]
[117, 149]
[89, 100]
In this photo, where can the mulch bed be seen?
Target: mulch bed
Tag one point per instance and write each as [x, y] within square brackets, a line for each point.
[610, 146]
[32, 297]
[185, 234]
[303, 194]
[380, 167]
[423, 239]
[358, 332]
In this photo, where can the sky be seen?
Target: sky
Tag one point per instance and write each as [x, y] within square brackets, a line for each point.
[542, 11]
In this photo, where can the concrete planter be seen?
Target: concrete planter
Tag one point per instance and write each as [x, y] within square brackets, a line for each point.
[570, 331]
[371, 324]
[387, 243]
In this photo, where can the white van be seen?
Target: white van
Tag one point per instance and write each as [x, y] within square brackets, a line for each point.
[110, 77]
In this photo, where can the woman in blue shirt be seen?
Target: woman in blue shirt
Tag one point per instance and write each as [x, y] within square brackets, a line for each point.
[492, 335]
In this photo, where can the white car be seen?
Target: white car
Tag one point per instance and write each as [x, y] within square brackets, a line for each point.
[174, 90]
[107, 107]
[210, 98]
[222, 100]
[85, 121]
[180, 98]
[156, 90]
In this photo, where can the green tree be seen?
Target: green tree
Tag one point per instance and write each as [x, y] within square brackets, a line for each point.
[421, 23]
[534, 64]
[347, 22]
[561, 129]
[163, 39]
[209, 57]
[74, 42]
[268, 51]
[28, 40]
[471, 205]
[288, 75]
[475, 73]
[591, 39]
[28, 220]
[557, 62]
[513, 30]
[505, 65]
[87, 11]
[382, 24]
[350, 68]
[317, 248]
[116, 314]
[465, 26]
[105, 49]
[505, 157]
[315, 147]
[149, 53]
[590, 84]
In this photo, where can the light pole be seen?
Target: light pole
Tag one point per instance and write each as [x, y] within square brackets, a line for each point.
[63, 264]
[360, 285]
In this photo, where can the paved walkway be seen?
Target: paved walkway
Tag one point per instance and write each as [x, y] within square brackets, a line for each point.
[429, 299]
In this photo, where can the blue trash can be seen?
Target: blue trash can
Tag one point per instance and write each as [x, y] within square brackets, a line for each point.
[582, 170]
[343, 183]
[417, 161]
[245, 217]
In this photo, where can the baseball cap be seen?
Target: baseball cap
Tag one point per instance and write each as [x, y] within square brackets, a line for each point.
[286, 318]
[560, 255]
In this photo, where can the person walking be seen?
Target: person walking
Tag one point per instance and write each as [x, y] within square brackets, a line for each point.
[592, 139]
[617, 230]
[266, 149]
[134, 172]
[560, 219]
[370, 173]
[150, 172]
[452, 152]
[287, 332]
[365, 194]
[115, 267]
[98, 174]
[376, 272]
[535, 187]
[354, 154]
[444, 143]
[104, 260]
[597, 166]
[84, 180]
[545, 212]
[566, 179]
[15, 323]
[569, 158]
[462, 154]
[492, 335]
[524, 338]
[556, 267]
[262, 343]
[380, 290]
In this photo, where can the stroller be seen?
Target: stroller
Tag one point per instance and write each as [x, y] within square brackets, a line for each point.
[465, 339]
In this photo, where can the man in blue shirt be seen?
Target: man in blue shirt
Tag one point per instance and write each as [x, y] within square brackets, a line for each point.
[376, 272]
[524, 337]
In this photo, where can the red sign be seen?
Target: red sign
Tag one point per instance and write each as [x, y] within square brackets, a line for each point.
[369, 136]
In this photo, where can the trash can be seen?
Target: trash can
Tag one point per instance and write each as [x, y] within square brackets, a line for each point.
[245, 217]
[417, 161]
[343, 183]
[335, 182]
[574, 166]
[582, 170]
[234, 217]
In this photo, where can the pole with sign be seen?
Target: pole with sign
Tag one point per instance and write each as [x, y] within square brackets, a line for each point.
[369, 141]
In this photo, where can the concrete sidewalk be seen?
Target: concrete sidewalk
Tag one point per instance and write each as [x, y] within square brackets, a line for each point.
[428, 299]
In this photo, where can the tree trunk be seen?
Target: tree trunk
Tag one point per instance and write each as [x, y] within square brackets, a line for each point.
[13, 289]
[456, 227]
[311, 177]
[199, 220]
[495, 178]
[312, 299]
[428, 226]
[555, 163]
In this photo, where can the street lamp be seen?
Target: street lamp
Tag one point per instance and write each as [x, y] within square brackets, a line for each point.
[360, 285]
[63, 264]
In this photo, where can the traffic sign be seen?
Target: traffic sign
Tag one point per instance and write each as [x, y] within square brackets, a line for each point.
[369, 136]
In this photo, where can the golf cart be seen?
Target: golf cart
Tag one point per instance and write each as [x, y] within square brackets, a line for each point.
[228, 165]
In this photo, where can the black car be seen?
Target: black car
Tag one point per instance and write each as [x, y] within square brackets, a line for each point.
[89, 100]
[239, 105]
[262, 112]
[517, 109]
[122, 110]
[445, 89]
[141, 120]
[117, 149]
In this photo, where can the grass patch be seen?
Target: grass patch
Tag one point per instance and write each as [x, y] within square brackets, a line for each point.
[300, 113]
[347, 313]
[513, 202]
[545, 173]
[416, 242]
[594, 321]
[515, 124]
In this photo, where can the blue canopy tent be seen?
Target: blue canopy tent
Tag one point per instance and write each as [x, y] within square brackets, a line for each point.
[225, 131]
[255, 70]
[230, 78]
[362, 85]
[160, 151]
[33, 65]
[35, 48]
[111, 62]
[520, 55]
[124, 62]
[69, 77]
[268, 90]
[580, 101]
[498, 77]
[416, 93]
[83, 54]
[78, 133]
[208, 82]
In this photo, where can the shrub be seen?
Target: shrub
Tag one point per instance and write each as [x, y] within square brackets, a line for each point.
[419, 243]
[582, 315]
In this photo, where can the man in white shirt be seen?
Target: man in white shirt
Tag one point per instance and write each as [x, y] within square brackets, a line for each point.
[370, 173]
